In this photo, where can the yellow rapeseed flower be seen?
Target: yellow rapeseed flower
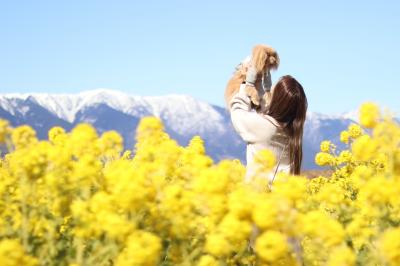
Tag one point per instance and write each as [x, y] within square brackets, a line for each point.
[56, 135]
[265, 159]
[345, 157]
[162, 203]
[324, 159]
[13, 254]
[325, 146]
[217, 245]
[364, 148]
[390, 246]
[110, 144]
[142, 248]
[355, 131]
[369, 115]
[345, 136]
[234, 229]
[207, 260]
[319, 225]
[196, 145]
[342, 256]
[23, 136]
[271, 246]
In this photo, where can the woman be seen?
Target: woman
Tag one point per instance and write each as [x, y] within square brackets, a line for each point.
[277, 127]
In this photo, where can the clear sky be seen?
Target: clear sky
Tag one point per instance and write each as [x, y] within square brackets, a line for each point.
[343, 52]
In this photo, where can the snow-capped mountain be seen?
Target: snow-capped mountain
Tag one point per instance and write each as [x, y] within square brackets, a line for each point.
[184, 112]
[183, 117]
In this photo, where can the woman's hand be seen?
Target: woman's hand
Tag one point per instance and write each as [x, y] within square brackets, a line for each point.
[252, 92]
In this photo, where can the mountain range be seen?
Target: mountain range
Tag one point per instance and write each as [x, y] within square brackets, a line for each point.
[182, 115]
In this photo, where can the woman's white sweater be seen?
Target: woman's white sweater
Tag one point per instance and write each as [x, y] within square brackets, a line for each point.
[260, 132]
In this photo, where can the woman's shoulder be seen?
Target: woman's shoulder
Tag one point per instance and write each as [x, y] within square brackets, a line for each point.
[271, 121]
[276, 130]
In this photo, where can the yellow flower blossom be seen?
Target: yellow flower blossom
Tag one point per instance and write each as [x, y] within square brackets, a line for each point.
[217, 245]
[234, 229]
[369, 115]
[342, 256]
[110, 144]
[389, 245]
[326, 146]
[266, 213]
[13, 254]
[355, 131]
[345, 136]
[57, 135]
[142, 248]
[265, 159]
[23, 136]
[318, 225]
[196, 145]
[162, 203]
[324, 159]
[271, 246]
[364, 148]
[345, 157]
[208, 260]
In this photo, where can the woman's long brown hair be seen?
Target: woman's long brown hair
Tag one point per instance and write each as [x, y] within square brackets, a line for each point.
[289, 107]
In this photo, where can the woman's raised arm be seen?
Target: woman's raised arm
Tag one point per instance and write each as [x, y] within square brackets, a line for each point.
[247, 123]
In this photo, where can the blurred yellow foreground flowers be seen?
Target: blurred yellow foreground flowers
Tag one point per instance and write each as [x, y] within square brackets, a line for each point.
[79, 199]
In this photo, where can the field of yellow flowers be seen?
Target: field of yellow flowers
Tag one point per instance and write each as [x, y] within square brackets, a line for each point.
[79, 199]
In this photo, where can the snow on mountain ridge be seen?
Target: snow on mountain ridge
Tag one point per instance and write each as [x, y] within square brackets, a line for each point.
[182, 111]
[66, 106]
[352, 115]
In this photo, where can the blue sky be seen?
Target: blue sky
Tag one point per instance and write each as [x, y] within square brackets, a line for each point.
[343, 52]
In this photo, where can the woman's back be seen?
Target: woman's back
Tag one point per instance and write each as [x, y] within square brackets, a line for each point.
[260, 132]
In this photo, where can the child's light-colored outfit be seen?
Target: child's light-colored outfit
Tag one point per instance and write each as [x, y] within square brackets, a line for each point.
[260, 132]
